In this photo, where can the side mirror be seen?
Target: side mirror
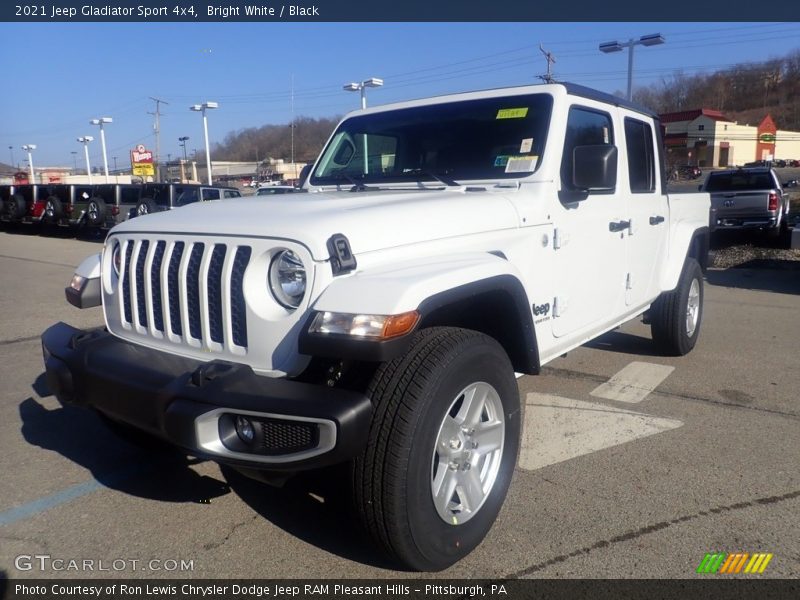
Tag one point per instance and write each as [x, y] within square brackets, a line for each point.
[594, 167]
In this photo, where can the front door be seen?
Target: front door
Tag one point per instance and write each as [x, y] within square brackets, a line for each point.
[590, 261]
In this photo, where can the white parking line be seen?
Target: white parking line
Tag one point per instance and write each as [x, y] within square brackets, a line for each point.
[559, 429]
[633, 383]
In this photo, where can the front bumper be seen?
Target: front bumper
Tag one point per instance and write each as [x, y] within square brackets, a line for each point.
[194, 405]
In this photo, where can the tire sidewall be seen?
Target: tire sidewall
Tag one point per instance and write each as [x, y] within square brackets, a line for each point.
[691, 272]
[440, 543]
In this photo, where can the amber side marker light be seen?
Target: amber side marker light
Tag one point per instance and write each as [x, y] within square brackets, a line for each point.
[397, 325]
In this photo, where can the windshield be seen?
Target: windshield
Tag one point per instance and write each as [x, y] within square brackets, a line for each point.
[490, 138]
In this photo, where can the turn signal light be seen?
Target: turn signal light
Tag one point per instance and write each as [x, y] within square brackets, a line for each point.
[378, 327]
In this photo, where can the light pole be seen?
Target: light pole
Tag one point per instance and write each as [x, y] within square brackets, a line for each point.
[115, 164]
[11, 149]
[85, 141]
[30, 148]
[100, 122]
[654, 39]
[202, 108]
[361, 87]
[74, 161]
[182, 144]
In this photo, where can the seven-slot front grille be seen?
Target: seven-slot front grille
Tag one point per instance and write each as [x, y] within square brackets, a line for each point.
[189, 290]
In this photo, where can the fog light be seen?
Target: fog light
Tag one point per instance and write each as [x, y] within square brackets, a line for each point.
[244, 429]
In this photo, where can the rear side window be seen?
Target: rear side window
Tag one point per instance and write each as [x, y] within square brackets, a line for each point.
[585, 127]
[129, 195]
[184, 196]
[641, 156]
[210, 194]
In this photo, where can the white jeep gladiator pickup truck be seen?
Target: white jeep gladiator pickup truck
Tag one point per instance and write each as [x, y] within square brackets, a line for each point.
[378, 320]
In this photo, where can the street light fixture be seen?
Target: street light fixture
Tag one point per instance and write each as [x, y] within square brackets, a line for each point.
[100, 122]
[361, 87]
[30, 148]
[202, 108]
[654, 39]
[85, 141]
[182, 144]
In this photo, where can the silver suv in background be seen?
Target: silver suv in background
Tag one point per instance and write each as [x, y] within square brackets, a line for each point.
[157, 197]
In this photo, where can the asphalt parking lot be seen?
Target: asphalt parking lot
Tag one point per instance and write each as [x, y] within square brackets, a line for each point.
[633, 464]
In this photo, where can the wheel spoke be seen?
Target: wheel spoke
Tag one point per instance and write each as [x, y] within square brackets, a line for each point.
[449, 431]
[443, 492]
[469, 415]
[470, 490]
[488, 437]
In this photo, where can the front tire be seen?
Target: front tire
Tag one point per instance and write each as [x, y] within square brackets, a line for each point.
[676, 315]
[442, 447]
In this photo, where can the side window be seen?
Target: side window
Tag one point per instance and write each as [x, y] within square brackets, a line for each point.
[585, 127]
[641, 156]
[129, 195]
[231, 194]
[210, 194]
[184, 196]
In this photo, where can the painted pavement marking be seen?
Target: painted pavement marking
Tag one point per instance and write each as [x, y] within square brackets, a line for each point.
[633, 383]
[558, 429]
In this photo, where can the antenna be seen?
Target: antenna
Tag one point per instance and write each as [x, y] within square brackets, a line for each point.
[548, 78]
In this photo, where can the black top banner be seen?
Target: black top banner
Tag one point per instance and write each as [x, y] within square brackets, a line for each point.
[390, 10]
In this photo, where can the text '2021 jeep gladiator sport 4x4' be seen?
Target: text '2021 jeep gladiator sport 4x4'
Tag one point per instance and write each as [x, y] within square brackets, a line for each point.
[379, 320]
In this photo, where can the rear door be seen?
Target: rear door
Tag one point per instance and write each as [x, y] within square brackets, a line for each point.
[648, 210]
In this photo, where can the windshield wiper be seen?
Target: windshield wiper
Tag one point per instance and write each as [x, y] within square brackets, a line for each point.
[440, 177]
[358, 186]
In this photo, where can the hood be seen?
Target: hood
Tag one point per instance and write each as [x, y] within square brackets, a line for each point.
[370, 220]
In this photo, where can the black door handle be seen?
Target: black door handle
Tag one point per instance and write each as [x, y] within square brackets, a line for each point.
[656, 220]
[615, 226]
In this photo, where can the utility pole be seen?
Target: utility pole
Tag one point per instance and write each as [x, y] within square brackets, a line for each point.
[548, 78]
[157, 128]
[294, 166]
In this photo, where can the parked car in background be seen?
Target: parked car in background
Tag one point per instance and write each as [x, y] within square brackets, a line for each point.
[689, 171]
[6, 191]
[105, 205]
[747, 198]
[157, 197]
[37, 203]
[276, 189]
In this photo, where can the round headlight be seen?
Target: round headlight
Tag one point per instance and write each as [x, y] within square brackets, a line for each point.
[287, 279]
[116, 258]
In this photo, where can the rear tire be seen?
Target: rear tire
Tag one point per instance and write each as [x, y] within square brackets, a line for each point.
[146, 206]
[96, 212]
[53, 210]
[676, 316]
[16, 207]
[424, 437]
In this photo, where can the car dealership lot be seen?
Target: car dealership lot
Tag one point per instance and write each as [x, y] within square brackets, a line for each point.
[614, 480]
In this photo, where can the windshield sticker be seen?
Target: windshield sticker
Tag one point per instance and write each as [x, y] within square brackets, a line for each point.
[521, 164]
[501, 161]
[526, 146]
[512, 113]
